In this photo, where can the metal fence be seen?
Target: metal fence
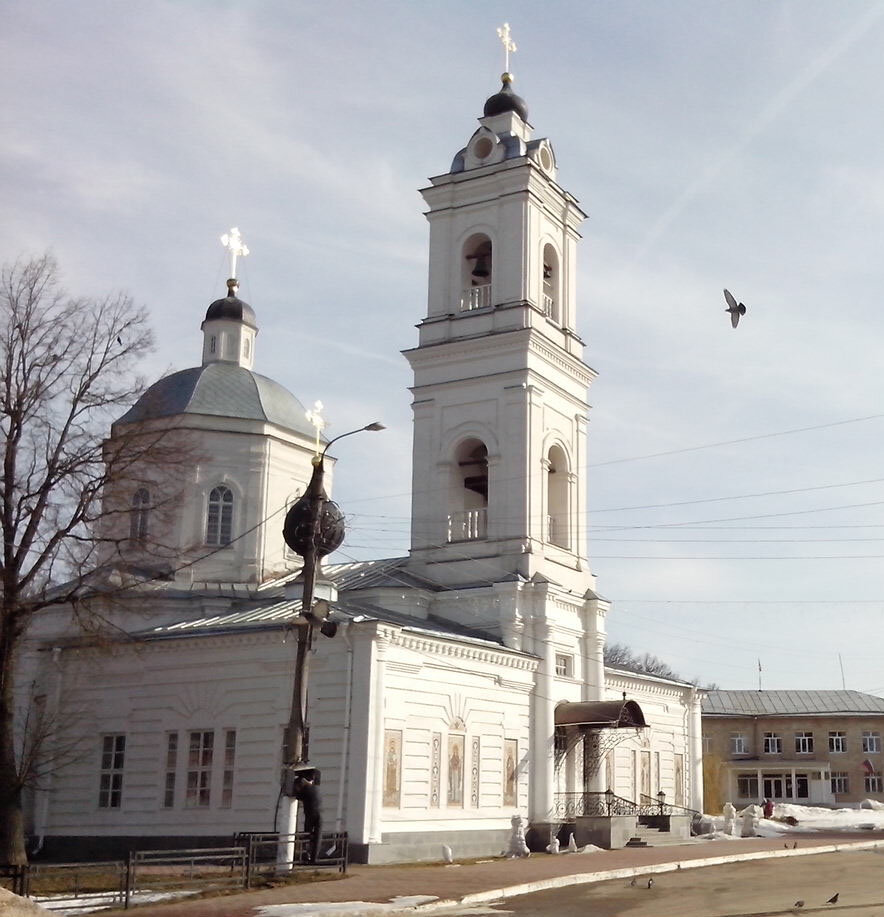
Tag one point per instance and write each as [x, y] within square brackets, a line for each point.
[155, 874]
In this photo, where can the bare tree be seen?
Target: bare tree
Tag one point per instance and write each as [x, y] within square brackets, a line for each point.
[621, 656]
[68, 368]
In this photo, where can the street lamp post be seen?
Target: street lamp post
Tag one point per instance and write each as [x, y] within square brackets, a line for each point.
[313, 528]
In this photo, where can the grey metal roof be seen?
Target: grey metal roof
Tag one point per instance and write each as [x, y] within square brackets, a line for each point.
[789, 703]
[221, 390]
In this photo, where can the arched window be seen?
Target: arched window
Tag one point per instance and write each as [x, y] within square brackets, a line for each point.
[467, 519]
[558, 527]
[139, 514]
[550, 294]
[219, 518]
[476, 273]
[213, 343]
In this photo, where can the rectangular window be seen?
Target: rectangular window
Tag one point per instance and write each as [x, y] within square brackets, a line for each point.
[199, 769]
[113, 754]
[707, 745]
[564, 665]
[837, 742]
[171, 769]
[873, 783]
[773, 743]
[747, 786]
[871, 742]
[804, 743]
[739, 744]
[840, 782]
[229, 759]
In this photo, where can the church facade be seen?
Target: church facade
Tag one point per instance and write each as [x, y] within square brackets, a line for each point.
[466, 683]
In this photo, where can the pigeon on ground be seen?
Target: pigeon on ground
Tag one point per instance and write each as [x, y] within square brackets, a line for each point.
[798, 903]
[795, 845]
[651, 882]
[447, 855]
[736, 309]
[632, 881]
[833, 899]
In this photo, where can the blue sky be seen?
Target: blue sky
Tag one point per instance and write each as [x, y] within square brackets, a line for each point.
[713, 144]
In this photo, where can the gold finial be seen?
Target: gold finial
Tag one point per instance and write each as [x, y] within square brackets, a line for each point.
[509, 46]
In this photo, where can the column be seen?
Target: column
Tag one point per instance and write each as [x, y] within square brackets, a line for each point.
[542, 728]
[376, 756]
[696, 751]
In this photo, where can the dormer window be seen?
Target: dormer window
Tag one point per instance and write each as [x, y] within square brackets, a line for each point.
[219, 517]
[139, 514]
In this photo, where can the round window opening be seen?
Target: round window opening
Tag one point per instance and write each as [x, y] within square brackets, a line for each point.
[483, 147]
[545, 159]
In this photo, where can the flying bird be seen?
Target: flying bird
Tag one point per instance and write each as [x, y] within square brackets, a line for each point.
[736, 309]
[833, 899]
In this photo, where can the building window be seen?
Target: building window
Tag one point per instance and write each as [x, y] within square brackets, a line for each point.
[804, 743]
[564, 665]
[219, 519]
[837, 743]
[773, 743]
[871, 742]
[229, 759]
[739, 744]
[199, 768]
[873, 783]
[840, 782]
[747, 786]
[113, 753]
[558, 498]
[707, 745]
[139, 514]
[213, 344]
[171, 769]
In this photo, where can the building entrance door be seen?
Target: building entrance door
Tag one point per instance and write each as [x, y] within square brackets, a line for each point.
[773, 786]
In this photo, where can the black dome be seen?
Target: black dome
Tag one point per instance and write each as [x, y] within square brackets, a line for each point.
[232, 308]
[506, 100]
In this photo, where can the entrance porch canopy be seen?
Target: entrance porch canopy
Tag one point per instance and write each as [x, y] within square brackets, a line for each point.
[613, 714]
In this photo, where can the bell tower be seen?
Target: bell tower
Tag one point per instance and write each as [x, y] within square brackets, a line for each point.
[500, 386]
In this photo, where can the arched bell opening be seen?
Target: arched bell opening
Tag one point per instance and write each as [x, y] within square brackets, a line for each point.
[558, 523]
[468, 506]
[476, 266]
[551, 292]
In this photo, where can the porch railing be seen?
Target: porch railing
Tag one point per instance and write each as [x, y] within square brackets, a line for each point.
[567, 806]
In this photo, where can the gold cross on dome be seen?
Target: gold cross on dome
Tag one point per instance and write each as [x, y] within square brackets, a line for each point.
[315, 418]
[233, 242]
[509, 46]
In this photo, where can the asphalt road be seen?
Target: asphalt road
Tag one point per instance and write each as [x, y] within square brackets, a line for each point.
[762, 888]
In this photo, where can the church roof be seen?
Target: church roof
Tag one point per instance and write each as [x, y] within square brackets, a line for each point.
[506, 100]
[221, 390]
[789, 703]
[231, 307]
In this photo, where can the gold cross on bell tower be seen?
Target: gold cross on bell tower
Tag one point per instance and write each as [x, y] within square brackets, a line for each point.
[509, 46]
[233, 242]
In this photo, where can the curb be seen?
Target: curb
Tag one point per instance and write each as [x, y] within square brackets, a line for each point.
[626, 872]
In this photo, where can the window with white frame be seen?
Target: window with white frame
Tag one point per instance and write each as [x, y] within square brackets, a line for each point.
[873, 783]
[773, 743]
[171, 770]
[739, 744]
[113, 755]
[840, 782]
[199, 768]
[871, 742]
[838, 743]
[564, 665]
[229, 759]
[707, 745]
[219, 516]
[803, 743]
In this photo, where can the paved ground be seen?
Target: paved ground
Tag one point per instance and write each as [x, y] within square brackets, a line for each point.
[484, 880]
[762, 887]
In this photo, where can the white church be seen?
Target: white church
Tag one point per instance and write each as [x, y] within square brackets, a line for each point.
[466, 682]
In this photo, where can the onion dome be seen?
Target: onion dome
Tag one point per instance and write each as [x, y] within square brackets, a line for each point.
[232, 308]
[506, 100]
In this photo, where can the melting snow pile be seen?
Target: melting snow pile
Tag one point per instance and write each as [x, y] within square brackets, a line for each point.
[867, 815]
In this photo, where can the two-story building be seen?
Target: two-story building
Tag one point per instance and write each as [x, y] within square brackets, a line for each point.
[810, 747]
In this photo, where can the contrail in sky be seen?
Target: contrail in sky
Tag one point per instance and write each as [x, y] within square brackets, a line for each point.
[768, 114]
